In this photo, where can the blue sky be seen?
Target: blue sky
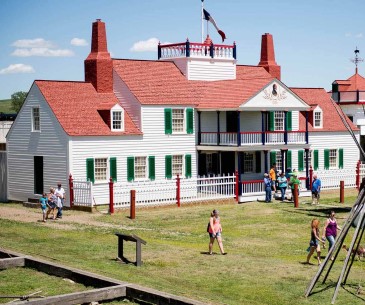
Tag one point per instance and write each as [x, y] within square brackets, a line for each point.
[49, 39]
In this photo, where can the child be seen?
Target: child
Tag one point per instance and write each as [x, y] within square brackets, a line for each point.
[52, 201]
[44, 203]
[215, 232]
[314, 242]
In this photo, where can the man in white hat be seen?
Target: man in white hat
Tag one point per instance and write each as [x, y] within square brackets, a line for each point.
[267, 183]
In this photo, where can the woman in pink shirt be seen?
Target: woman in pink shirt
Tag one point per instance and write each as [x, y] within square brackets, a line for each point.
[215, 232]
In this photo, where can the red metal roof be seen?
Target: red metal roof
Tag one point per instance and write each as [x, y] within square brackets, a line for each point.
[76, 105]
[331, 119]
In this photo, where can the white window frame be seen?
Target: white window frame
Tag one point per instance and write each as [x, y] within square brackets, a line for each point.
[36, 120]
[178, 120]
[249, 164]
[107, 169]
[333, 159]
[117, 109]
[279, 120]
[310, 158]
[177, 166]
[318, 122]
[143, 173]
[278, 160]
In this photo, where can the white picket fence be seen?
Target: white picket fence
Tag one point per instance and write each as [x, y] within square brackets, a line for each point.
[330, 179]
[83, 193]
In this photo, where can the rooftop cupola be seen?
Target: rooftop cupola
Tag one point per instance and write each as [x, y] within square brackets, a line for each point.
[267, 59]
[99, 65]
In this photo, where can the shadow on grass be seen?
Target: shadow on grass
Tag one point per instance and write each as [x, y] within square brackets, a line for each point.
[319, 212]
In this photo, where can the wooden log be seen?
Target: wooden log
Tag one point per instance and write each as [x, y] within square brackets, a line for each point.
[6, 263]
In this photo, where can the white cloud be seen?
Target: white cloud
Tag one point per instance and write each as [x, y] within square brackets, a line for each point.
[79, 42]
[42, 52]
[359, 35]
[33, 43]
[149, 45]
[17, 68]
[348, 35]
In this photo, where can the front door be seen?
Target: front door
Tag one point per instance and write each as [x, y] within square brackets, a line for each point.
[38, 174]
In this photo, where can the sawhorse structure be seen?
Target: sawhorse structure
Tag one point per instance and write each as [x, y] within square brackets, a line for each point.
[134, 238]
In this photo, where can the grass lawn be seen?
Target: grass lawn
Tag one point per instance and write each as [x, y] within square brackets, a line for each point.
[266, 245]
[5, 106]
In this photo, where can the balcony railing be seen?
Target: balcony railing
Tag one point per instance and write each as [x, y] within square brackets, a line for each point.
[349, 96]
[193, 49]
[252, 138]
[4, 128]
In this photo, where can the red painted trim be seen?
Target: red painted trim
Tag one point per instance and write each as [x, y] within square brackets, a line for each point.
[111, 196]
[71, 188]
[178, 191]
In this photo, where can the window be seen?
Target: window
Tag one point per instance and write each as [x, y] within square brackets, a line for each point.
[248, 162]
[317, 119]
[279, 120]
[177, 165]
[140, 167]
[333, 158]
[176, 120]
[174, 166]
[351, 118]
[278, 161]
[101, 169]
[117, 121]
[310, 152]
[36, 124]
[209, 163]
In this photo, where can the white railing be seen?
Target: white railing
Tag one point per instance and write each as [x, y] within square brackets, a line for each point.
[83, 194]
[296, 137]
[209, 138]
[274, 137]
[362, 171]
[330, 179]
[228, 138]
[251, 138]
[4, 129]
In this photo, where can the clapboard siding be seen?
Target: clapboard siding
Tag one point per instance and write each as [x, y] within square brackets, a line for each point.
[127, 99]
[23, 145]
[211, 70]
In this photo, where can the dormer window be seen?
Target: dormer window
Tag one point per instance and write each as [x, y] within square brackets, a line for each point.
[318, 118]
[117, 118]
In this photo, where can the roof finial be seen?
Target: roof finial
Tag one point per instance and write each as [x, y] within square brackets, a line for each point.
[357, 59]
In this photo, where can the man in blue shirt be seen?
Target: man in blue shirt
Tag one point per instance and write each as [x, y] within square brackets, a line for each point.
[268, 184]
[316, 189]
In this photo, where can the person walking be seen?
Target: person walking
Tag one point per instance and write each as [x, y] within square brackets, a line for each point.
[268, 184]
[60, 193]
[52, 203]
[215, 232]
[330, 230]
[316, 189]
[283, 184]
[314, 244]
[44, 204]
[272, 175]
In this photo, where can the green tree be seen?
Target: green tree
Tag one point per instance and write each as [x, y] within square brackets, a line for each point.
[17, 100]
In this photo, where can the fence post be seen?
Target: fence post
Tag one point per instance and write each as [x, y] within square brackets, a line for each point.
[178, 190]
[111, 196]
[133, 205]
[296, 199]
[71, 187]
[342, 191]
[310, 177]
[358, 175]
[237, 185]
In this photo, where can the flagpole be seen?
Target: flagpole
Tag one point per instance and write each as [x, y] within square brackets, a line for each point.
[202, 17]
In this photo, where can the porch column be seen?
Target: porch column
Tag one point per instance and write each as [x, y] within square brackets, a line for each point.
[239, 154]
[285, 127]
[199, 128]
[218, 129]
[263, 116]
[266, 167]
[306, 127]
[283, 158]
[238, 129]
[307, 180]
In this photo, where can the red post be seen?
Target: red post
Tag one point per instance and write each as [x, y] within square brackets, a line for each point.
[111, 196]
[310, 177]
[133, 205]
[71, 188]
[237, 186]
[178, 191]
[358, 175]
[296, 199]
[342, 191]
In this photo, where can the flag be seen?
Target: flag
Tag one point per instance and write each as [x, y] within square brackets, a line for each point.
[210, 18]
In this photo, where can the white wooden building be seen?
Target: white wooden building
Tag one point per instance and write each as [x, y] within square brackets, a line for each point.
[193, 111]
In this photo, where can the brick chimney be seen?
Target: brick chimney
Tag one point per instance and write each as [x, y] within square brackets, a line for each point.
[98, 65]
[267, 59]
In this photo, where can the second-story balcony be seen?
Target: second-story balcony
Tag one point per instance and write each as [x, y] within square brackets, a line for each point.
[349, 97]
[253, 138]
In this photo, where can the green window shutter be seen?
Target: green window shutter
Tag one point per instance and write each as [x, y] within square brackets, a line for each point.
[188, 166]
[130, 169]
[168, 121]
[300, 160]
[289, 121]
[271, 121]
[168, 167]
[189, 120]
[272, 157]
[258, 161]
[288, 159]
[151, 168]
[316, 159]
[326, 159]
[113, 168]
[90, 170]
[340, 158]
